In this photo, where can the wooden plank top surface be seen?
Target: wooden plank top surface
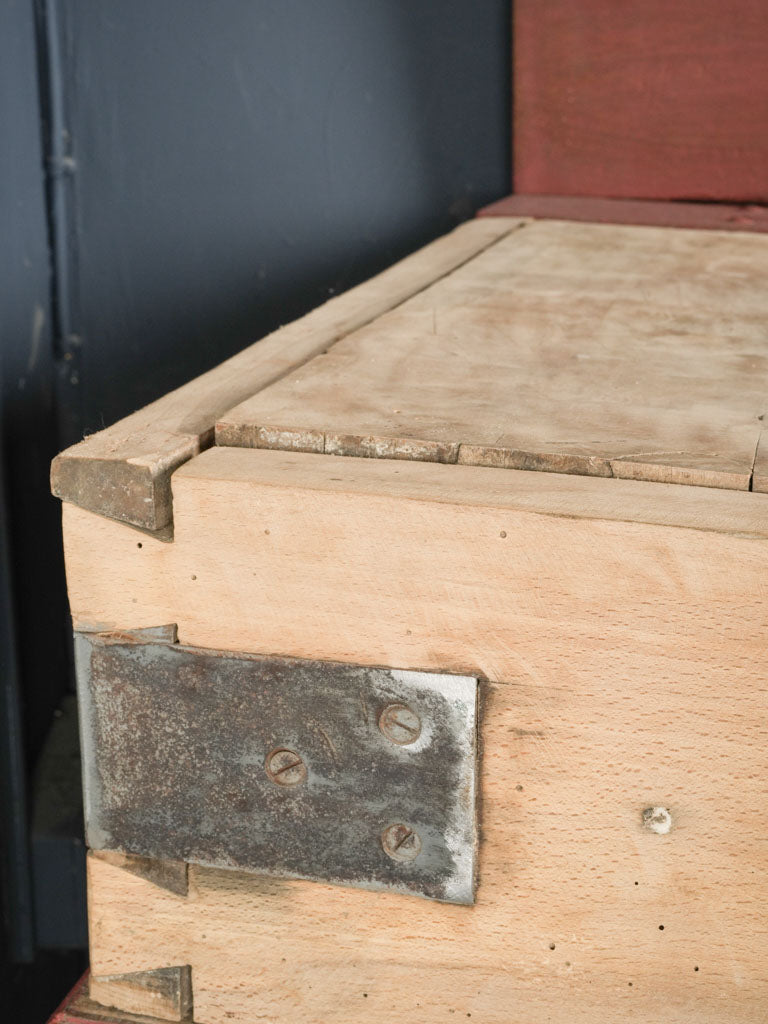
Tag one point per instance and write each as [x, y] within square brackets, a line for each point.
[124, 472]
[583, 348]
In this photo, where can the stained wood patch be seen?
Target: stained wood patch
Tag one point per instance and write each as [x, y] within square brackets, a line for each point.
[589, 349]
[168, 874]
[164, 993]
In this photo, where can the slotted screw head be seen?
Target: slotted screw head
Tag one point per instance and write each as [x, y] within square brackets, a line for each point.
[400, 724]
[285, 767]
[400, 842]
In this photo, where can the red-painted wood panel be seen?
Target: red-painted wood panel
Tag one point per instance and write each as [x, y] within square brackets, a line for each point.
[714, 216]
[651, 99]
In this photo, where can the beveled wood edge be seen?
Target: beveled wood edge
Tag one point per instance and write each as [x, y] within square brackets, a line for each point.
[633, 212]
[124, 471]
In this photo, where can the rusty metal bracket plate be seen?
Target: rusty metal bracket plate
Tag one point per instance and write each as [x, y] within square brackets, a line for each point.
[301, 769]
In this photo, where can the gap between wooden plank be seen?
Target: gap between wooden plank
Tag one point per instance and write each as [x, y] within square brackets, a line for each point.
[318, 442]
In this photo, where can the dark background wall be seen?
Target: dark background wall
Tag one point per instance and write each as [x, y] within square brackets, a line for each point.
[177, 178]
[237, 161]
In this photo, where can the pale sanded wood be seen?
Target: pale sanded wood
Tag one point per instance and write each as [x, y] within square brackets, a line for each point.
[577, 348]
[621, 625]
[124, 471]
[164, 993]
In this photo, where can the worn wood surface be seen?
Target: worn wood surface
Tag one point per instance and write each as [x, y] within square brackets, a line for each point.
[706, 216]
[165, 993]
[124, 471]
[574, 348]
[651, 100]
[79, 1008]
[619, 627]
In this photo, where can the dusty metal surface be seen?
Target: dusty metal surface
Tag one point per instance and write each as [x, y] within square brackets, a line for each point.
[280, 766]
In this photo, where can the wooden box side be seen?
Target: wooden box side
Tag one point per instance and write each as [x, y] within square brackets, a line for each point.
[618, 630]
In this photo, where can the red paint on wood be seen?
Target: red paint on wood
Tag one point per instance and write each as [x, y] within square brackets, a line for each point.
[715, 216]
[651, 99]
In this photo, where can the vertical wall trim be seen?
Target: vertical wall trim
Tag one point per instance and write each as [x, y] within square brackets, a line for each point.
[59, 167]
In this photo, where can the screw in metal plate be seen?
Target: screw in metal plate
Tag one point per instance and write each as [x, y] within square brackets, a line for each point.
[400, 724]
[400, 842]
[285, 767]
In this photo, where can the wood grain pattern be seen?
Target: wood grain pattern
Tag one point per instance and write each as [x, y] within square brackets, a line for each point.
[124, 471]
[706, 216]
[647, 101]
[618, 627]
[389, 563]
[574, 348]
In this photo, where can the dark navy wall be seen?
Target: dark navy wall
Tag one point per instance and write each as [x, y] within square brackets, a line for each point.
[238, 161]
[34, 627]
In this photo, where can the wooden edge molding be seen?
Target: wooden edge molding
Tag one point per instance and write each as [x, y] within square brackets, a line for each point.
[648, 213]
[124, 471]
